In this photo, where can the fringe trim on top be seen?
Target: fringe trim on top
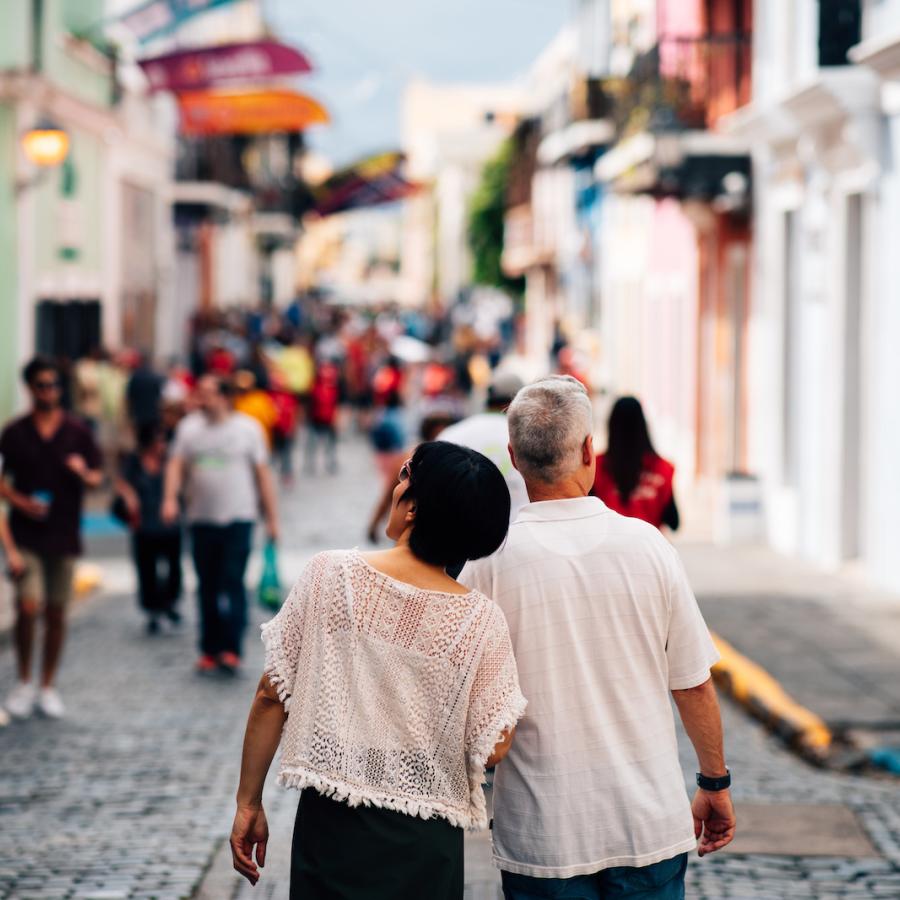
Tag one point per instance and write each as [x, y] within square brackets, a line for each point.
[482, 749]
[271, 638]
[355, 795]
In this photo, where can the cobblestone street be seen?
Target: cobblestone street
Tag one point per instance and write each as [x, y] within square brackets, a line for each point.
[130, 797]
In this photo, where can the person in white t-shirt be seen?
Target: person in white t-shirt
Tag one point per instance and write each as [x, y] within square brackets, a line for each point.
[220, 459]
[487, 433]
[590, 801]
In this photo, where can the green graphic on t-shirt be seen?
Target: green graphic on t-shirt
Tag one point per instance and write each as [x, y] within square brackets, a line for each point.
[211, 461]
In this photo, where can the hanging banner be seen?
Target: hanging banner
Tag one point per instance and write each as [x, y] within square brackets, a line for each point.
[248, 112]
[157, 17]
[189, 70]
[369, 182]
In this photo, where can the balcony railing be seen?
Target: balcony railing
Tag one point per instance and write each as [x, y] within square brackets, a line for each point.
[686, 83]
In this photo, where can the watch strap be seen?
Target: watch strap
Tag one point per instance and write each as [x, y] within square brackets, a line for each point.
[714, 784]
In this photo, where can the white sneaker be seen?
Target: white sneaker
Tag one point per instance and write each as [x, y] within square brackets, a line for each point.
[20, 702]
[4, 718]
[50, 703]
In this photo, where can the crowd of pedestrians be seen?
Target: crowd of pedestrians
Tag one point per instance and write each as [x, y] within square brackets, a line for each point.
[530, 615]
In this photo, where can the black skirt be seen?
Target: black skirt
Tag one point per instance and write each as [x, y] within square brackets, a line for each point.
[365, 853]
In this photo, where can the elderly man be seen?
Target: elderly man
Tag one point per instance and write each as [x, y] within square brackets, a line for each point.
[590, 802]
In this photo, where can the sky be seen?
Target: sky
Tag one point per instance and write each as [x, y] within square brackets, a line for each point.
[366, 50]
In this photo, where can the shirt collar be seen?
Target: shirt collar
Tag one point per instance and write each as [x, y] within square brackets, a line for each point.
[560, 510]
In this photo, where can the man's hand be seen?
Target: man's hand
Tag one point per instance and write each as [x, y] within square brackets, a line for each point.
[250, 829]
[169, 511]
[714, 820]
[272, 532]
[29, 506]
[77, 465]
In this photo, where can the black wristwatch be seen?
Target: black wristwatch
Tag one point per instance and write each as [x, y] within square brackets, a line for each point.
[714, 784]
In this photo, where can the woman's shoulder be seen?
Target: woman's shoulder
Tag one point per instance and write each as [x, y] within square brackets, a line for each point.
[486, 609]
[329, 560]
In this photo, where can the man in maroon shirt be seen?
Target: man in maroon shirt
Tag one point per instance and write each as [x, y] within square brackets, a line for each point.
[49, 457]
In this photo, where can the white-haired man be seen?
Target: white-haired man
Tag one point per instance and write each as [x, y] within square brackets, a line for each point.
[590, 802]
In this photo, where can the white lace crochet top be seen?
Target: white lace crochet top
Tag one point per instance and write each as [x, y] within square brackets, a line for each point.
[396, 695]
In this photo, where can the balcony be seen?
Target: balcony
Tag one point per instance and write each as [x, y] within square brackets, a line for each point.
[685, 83]
[245, 164]
[665, 115]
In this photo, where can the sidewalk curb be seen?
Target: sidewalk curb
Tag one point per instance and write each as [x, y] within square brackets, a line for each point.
[761, 695]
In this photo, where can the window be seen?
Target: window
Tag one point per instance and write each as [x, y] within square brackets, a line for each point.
[840, 28]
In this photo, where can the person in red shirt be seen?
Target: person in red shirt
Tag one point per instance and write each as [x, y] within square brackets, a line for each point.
[324, 400]
[632, 478]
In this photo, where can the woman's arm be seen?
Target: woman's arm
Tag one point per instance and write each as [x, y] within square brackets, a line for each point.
[501, 749]
[126, 491]
[261, 739]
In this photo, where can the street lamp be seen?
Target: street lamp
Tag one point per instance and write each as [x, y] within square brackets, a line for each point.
[45, 145]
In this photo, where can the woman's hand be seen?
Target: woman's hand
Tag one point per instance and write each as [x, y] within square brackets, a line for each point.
[15, 563]
[250, 829]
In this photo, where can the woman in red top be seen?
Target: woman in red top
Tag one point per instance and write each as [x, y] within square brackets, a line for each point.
[632, 478]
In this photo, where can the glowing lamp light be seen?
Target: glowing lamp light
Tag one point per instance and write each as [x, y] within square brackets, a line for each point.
[46, 144]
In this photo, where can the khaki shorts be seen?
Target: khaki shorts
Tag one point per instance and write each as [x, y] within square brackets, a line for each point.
[47, 579]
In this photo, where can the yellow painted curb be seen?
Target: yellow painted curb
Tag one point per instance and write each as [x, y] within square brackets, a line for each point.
[752, 686]
[88, 577]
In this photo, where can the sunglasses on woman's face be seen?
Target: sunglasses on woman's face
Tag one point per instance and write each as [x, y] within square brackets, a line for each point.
[405, 471]
[46, 384]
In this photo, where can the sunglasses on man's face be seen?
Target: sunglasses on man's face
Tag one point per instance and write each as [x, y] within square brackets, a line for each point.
[405, 472]
[48, 385]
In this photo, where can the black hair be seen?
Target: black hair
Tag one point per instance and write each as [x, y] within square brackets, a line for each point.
[37, 366]
[147, 434]
[628, 442]
[462, 504]
[431, 426]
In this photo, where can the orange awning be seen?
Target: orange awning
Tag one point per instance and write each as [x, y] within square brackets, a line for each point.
[248, 112]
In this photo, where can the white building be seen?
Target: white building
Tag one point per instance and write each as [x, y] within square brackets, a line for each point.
[824, 434]
[449, 132]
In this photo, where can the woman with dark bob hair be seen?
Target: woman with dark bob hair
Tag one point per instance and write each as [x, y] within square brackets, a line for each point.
[390, 687]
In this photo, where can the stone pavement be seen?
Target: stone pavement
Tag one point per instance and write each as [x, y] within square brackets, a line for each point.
[131, 796]
[832, 643]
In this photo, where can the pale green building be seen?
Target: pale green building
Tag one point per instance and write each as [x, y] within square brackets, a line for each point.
[85, 248]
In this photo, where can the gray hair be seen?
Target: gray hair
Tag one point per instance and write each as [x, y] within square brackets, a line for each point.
[548, 423]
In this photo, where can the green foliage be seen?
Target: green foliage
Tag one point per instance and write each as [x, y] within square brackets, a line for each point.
[487, 210]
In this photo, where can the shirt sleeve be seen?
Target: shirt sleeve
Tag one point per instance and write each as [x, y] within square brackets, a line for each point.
[690, 651]
[495, 699]
[282, 636]
[179, 441]
[259, 448]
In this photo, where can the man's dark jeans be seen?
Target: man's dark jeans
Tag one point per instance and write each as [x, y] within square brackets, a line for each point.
[661, 881]
[220, 558]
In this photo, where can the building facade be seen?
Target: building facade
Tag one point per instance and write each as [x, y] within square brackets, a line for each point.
[449, 132]
[823, 125]
[87, 255]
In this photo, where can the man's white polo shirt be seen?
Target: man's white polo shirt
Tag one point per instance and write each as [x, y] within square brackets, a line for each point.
[604, 625]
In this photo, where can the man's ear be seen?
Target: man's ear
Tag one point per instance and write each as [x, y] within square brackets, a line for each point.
[587, 450]
[512, 456]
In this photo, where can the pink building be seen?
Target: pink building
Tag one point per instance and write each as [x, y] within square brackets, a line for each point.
[676, 236]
